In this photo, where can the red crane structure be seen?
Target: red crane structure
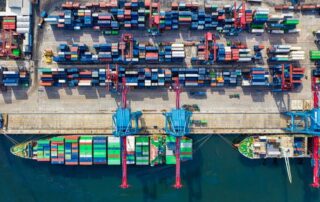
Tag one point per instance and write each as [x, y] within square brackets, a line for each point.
[112, 77]
[315, 152]
[210, 44]
[177, 125]
[122, 122]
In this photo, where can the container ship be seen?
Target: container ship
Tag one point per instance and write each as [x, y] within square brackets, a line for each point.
[102, 149]
[275, 146]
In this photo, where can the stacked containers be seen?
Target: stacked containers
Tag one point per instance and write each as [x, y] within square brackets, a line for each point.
[282, 24]
[178, 53]
[57, 150]
[259, 77]
[114, 151]
[170, 150]
[130, 150]
[71, 150]
[85, 146]
[282, 53]
[100, 150]
[43, 150]
[9, 23]
[259, 19]
[152, 54]
[142, 150]
[11, 78]
[157, 149]
[314, 55]
[186, 149]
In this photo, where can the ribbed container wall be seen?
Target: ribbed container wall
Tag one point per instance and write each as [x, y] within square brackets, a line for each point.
[100, 150]
[114, 151]
[142, 150]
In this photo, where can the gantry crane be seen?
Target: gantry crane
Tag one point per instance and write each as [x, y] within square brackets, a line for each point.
[177, 125]
[209, 38]
[125, 123]
[112, 76]
[154, 17]
[126, 41]
[308, 122]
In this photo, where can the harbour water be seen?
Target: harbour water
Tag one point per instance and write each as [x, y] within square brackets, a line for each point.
[217, 173]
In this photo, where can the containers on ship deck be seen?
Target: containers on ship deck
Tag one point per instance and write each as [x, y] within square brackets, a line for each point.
[170, 150]
[43, 150]
[114, 151]
[186, 149]
[157, 149]
[57, 150]
[72, 150]
[85, 147]
[130, 150]
[142, 150]
[99, 150]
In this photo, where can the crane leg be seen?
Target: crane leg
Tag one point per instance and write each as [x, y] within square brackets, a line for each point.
[124, 183]
[178, 184]
[315, 157]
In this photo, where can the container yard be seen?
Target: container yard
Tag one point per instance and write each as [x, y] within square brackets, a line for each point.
[127, 83]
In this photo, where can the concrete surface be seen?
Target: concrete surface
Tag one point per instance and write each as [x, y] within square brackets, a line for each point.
[46, 102]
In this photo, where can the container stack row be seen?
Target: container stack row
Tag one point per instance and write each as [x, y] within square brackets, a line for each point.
[57, 150]
[42, 149]
[89, 150]
[131, 150]
[99, 150]
[71, 150]
[9, 23]
[85, 147]
[258, 77]
[114, 151]
[186, 149]
[15, 78]
[282, 24]
[260, 17]
[157, 150]
[285, 53]
[142, 150]
[224, 54]
[170, 150]
[135, 15]
[315, 55]
[154, 77]
[286, 77]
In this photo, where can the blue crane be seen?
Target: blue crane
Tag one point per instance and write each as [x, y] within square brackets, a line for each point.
[177, 125]
[122, 122]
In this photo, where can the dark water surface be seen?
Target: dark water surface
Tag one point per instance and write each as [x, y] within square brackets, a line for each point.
[217, 173]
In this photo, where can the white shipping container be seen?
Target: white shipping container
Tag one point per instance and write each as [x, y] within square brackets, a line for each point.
[130, 144]
[277, 32]
[9, 72]
[177, 45]
[22, 30]
[283, 46]
[293, 31]
[23, 24]
[295, 48]
[244, 50]
[247, 59]
[192, 75]
[257, 31]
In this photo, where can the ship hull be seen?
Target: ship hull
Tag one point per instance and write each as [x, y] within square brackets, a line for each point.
[274, 146]
[103, 150]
